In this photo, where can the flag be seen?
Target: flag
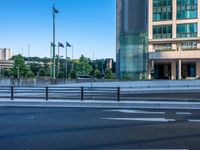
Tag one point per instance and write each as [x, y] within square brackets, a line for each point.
[60, 45]
[52, 44]
[68, 45]
[55, 10]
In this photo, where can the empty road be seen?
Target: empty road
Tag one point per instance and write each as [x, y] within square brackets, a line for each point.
[26, 128]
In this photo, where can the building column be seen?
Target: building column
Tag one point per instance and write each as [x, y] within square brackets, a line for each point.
[173, 70]
[179, 70]
[150, 68]
[174, 12]
[197, 69]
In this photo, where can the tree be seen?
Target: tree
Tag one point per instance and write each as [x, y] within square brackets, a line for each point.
[19, 66]
[30, 74]
[109, 74]
[72, 74]
[42, 73]
[82, 66]
[61, 75]
[97, 74]
[35, 67]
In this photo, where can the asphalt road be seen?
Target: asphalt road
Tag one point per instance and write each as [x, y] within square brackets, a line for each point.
[85, 128]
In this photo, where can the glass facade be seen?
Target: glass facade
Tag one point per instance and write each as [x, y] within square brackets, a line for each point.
[162, 32]
[133, 55]
[162, 10]
[186, 9]
[186, 30]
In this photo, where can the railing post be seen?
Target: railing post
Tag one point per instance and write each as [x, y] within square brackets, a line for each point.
[12, 92]
[82, 93]
[47, 93]
[118, 94]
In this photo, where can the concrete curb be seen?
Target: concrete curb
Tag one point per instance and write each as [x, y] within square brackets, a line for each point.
[102, 104]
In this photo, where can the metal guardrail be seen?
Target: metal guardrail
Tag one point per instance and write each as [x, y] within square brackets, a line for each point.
[100, 93]
[64, 93]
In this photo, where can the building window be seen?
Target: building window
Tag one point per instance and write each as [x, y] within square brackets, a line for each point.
[162, 10]
[187, 45]
[160, 47]
[186, 9]
[162, 32]
[187, 30]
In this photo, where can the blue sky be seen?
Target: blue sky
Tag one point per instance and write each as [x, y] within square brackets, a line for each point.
[89, 25]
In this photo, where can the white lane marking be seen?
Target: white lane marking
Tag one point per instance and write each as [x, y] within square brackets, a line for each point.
[154, 149]
[30, 117]
[193, 120]
[142, 119]
[135, 111]
[183, 113]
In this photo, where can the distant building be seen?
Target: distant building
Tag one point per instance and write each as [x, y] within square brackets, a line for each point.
[109, 63]
[5, 55]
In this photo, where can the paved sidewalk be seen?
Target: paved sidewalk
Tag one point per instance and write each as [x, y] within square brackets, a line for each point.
[100, 104]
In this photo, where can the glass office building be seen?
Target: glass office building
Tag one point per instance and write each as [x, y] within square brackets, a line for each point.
[132, 39]
[158, 39]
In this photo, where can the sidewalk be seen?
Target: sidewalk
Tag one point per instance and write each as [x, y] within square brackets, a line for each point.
[100, 104]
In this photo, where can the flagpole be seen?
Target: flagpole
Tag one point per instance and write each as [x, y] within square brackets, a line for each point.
[58, 60]
[66, 62]
[51, 60]
[72, 56]
[53, 68]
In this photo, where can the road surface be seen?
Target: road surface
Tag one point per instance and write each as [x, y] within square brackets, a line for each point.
[87, 128]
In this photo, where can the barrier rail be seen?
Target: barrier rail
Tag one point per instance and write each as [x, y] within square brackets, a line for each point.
[64, 93]
[179, 93]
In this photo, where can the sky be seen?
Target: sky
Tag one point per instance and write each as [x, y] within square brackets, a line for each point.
[88, 25]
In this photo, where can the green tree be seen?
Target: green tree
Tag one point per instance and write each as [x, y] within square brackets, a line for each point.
[30, 74]
[61, 75]
[109, 74]
[82, 66]
[19, 65]
[97, 74]
[42, 73]
[72, 74]
[35, 67]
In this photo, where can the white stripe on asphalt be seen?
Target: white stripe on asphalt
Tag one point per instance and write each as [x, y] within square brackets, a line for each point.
[183, 113]
[193, 120]
[142, 119]
[154, 149]
[135, 111]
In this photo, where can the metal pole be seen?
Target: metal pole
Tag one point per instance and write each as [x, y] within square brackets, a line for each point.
[54, 27]
[58, 68]
[28, 53]
[12, 93]
[66, 62]
[51, 60]
[72, 56]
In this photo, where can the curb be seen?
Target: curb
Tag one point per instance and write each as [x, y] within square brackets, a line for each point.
[89, 104]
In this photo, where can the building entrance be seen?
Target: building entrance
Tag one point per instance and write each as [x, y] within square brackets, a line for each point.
[188, 70]
[163, 71]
